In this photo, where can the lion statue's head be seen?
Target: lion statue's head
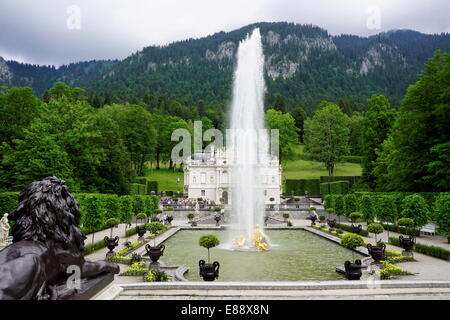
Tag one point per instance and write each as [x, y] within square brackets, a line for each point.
[48, 213]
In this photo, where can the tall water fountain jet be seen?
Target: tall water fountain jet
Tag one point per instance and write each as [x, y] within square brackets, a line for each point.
[249, 145]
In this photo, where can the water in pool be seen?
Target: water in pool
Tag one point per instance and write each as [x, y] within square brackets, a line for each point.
[297, 256]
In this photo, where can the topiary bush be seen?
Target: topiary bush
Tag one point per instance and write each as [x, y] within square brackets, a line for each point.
[355, 216]
[375, 228]
[365, 206]
[416, 208]
[209, 241]
[351, 241]
[154, 227]
[350, 204]
[190, 216]
[339, 208]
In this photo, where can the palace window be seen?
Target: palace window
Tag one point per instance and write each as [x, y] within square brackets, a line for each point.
[203, 177]
[203, 193]
[224, 177]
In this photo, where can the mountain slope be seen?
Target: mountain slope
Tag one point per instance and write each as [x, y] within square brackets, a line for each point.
[304, 64]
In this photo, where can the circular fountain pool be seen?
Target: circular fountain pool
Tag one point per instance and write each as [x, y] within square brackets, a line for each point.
[296, 255]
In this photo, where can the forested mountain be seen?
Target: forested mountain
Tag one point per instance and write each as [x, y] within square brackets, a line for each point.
[304, 64]
[41, 78]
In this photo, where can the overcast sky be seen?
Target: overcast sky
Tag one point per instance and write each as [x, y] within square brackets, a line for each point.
[52, 31]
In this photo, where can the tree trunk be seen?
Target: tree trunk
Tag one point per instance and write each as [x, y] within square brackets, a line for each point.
[157, 161]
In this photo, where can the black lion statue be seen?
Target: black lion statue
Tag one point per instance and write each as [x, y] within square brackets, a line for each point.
[47, 243]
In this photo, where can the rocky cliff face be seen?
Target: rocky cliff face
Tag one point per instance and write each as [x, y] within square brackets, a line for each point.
[6, 75]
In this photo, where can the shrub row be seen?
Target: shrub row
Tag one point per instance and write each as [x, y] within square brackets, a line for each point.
[137, 188]
[429, 197]
[337, 187]
[351, 179]
[89, 248]
[298, 187]
[432, 251]
[348, 228]
[400, 229]
[153, 227]
[97, 208]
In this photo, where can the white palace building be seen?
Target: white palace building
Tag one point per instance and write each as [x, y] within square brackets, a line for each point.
[207, 175]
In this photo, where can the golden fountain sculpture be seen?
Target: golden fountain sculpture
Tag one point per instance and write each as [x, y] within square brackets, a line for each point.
[259, 241]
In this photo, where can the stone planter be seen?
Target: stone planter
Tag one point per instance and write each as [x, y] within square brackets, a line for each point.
[141, 231]
[209, 271]
[353, 270]
[217, 218]
[313, 219]
[377, 252]
[169, 220]
[111, 244]
[331, 223]
[356, 229]
[407, 243]
[155, 252]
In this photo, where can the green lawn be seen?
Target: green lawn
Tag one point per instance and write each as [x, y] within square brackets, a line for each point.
[296, 169]
[167, 179]
[304, 169]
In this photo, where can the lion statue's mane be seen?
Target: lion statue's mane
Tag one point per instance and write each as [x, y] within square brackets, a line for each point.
[47, 212]
[46, 241]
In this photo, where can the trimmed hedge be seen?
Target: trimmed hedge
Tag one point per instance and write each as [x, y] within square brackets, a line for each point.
[139, 180]
[152, 186]
[432, 251]
[299, 186]
[97, 208]
[324, 189]
[8, 202]
[429, 197]
[400, 229]
[137, 188]
[89, 248]
[348, 228]
[339, 187]
[351, 179]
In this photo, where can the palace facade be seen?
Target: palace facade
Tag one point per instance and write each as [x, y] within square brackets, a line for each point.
[208, 175]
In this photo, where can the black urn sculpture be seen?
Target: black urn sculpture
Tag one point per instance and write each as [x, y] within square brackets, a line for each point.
[407, 243]
[111, 244]
[377, 252]
[217, 218]
[141, 231]
[331, 223]
[356, 228]
[313, 219]
[209, 271]
[155, 252]
[169, 219]
[353, 270]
